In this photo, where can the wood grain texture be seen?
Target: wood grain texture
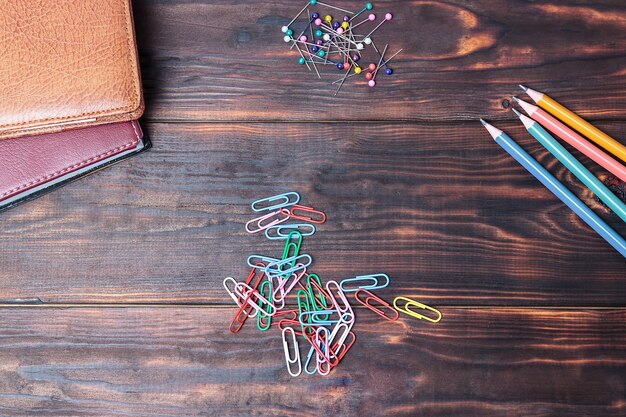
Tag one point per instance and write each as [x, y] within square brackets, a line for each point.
[183, 362]
[444, 211]
[226, 60]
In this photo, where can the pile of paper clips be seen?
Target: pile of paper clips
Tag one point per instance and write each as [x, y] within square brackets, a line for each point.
[326, 40]
[322, 314]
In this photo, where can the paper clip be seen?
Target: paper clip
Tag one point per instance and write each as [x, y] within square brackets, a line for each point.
[340, 350]
[289, 315]
[312, 334]
[304, 228]
[310, 318]
[309, 360]
[245, 310]
[344, 328]
[233, 293]
[375, 308]
[275, 268]
[261, 262]
[284, 323]
[285, 285]
[242, 289]
[289, 360]
[259, 221]
[303, 304]
[287, 199]
[292, 246]
[318, 217]
[364, 282]
[265, 290]
[318, 301]
[412, 303]
[342, 305]
[323, 361]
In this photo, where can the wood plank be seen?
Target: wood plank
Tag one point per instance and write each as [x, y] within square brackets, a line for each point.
[446, 213]
[226, 60]
[183, 362]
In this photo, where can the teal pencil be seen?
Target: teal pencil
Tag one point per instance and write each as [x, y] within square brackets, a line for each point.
[572, 164]
[559, 190]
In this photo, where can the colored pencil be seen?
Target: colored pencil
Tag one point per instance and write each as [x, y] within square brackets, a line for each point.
[572, 164]
[556, 187]
[568, 135]
[577, 123]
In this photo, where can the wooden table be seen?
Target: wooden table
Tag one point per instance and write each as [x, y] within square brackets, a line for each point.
[111, 288]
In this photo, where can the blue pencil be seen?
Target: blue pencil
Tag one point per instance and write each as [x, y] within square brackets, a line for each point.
[554, 185]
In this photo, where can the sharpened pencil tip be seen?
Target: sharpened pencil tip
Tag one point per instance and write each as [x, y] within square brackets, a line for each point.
[523, 87]
[515, 99]
[516, 112]
[483, 122]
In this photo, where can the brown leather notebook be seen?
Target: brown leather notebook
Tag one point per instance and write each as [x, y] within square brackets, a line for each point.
[67, 65]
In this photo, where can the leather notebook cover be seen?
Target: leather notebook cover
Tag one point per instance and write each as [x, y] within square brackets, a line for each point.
[66, 64]
[28, 171]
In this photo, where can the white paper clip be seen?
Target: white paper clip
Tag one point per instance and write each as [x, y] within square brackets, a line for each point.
[289, 360]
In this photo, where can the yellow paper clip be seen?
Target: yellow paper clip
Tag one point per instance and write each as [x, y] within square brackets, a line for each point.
[412, 303]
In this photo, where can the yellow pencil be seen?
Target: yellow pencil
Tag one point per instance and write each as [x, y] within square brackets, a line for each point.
[577, 123]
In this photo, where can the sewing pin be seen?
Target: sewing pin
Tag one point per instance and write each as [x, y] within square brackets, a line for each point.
[314, 2]
[312, 38]
[370, 18]
[368, 6]
[372, 82]
[286, 28]
[388, 16]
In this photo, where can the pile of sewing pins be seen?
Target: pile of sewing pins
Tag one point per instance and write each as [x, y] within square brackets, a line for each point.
[327, 40]
[320, 314]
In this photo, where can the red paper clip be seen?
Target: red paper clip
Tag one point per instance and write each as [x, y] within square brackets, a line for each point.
[318, 216]
[370, 296]
[292, 316]
[246, 309]
[341, 350]
[295, 324]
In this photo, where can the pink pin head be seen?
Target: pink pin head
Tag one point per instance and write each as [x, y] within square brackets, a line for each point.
[318, 22]
[371, 83]
[371, 17]
[303, 38]
[340, 30]
[388, 16]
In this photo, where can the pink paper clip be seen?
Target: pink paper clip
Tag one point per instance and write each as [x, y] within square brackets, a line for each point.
[318, 216]
[381, 303]
[258, 222]
[340, 302]
[286, 285]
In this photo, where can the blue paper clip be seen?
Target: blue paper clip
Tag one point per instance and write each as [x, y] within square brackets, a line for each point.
[365, 282]
[300, 262]
[313, 319]
[254, 260]
[288, 199]
[280, 234]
